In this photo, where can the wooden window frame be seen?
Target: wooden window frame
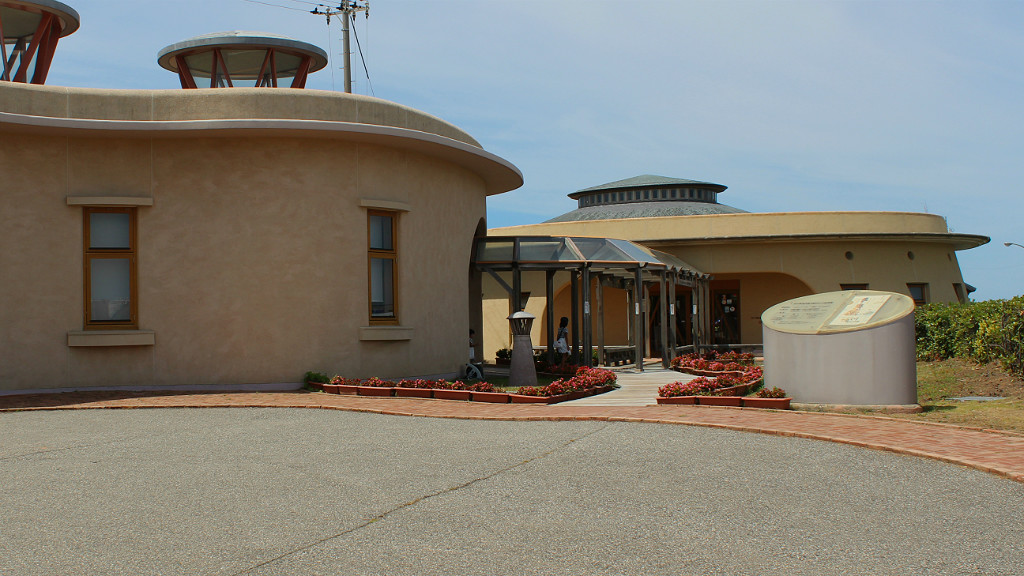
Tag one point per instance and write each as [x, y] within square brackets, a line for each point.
[382, 254]
[133, 277]
[925, 296]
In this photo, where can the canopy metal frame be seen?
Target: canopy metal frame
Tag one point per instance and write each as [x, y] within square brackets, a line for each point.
[610, 263]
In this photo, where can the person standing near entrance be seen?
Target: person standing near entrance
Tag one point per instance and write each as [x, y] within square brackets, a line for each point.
[562, 341]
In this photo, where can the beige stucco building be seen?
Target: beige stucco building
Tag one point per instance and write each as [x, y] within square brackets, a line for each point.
[756, 259]
[240, 224]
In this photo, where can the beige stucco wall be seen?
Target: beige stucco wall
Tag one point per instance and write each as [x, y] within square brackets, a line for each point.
[252, 262]
[778, 256]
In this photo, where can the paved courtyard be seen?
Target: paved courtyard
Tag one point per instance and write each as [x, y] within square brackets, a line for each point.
[299, 491]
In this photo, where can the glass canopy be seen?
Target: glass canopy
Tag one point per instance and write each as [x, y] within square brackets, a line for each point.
[569, 252]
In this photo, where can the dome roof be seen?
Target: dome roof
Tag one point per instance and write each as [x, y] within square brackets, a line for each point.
[645, 210]
[647, 181]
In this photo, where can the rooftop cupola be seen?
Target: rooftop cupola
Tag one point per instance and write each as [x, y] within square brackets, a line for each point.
[233, 59]
[29, 32]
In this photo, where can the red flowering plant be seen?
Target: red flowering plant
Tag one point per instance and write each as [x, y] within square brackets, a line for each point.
[378, 383]
[345, 381]
[739, 357]
[481, 387]
[697, 387]
[773, 392]
[584, 379]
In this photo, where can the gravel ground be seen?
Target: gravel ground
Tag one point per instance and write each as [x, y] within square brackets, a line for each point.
[282, 491]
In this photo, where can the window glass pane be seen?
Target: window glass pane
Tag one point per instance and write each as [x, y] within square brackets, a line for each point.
[380, 232]
[382, 288]
[109, 230]
[110, 289]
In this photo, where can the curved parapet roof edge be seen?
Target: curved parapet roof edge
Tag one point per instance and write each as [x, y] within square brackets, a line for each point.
[498, 174]
[764, 227]
[213, 104]
[68, 16]
[247, 112]
[240, 40]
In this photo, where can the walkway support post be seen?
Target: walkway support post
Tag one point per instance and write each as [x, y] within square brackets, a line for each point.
[549, 314]
[673, 345]
[666, 356]
[574, 287]
[600, 321]
[588, 355]
[638, 318]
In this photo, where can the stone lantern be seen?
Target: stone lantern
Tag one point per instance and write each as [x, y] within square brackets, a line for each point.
[522, 370]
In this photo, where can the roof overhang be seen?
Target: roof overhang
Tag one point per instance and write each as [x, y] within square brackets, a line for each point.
[498, 174]
[957, 241]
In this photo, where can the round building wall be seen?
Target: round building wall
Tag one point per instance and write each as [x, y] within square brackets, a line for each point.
[251, 250]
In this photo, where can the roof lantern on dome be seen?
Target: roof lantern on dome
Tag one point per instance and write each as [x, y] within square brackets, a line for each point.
[647, 196]
[230, 59]
[29, 32]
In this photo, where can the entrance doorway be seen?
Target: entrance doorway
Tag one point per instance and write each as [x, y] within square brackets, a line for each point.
[725, 327]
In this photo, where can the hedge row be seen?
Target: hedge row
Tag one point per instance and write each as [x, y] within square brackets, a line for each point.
[980, 331]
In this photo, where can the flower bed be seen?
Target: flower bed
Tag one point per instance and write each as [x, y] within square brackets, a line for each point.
[713, 363]
[724, 391]
[584, 382]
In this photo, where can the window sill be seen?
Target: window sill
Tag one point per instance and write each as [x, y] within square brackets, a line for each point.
[110, 201]
[111, 338]
[385, 333]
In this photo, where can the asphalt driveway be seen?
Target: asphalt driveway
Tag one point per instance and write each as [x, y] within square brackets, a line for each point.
[292, 491]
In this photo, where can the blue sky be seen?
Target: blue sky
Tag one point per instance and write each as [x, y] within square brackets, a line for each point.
[795, 105]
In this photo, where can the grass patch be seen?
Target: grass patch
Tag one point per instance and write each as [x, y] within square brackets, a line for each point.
[937, 381]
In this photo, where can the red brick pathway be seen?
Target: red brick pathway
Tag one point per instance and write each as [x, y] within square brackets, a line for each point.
[988, 450]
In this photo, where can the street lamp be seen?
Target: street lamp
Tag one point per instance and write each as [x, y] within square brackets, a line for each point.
[1008, 244]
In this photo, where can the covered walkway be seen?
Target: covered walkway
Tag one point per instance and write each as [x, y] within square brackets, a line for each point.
[594, 264]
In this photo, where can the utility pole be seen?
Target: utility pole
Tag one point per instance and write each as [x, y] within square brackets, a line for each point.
[347, 10]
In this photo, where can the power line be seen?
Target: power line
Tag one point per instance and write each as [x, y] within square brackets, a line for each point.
[361, 57]
[346, 9]
[277, 5]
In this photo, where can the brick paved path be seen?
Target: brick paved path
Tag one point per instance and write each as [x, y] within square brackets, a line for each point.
[987, 450]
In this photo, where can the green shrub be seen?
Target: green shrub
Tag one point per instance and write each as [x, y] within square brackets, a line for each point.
[317, 377]
[980, 331]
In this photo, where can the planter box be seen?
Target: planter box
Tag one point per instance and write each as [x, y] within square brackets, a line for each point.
[523, 399]
[776, 403]
[496, 397]
[720, 400]
[452, 394]
[558, 398]
[502, 362]
[413, 392]
[709, 373]
[346, 389]
[375, 391]
[316, 385]
[677, 400]
[577, 394]
[329, 388]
